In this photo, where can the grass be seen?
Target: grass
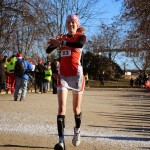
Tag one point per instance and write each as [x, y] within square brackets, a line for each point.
[122, 83]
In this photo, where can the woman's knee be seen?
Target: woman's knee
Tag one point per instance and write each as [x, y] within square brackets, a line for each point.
[77, 110]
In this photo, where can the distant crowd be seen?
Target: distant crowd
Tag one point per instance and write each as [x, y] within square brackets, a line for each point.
[42, 78]
[141, 81]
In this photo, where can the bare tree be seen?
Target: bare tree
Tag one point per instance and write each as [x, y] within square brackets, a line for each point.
[106, 44]
[137, 14]
[8, 12]
[107, 41]
[28, 25]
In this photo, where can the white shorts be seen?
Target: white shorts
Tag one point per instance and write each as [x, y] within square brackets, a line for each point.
[75, 83]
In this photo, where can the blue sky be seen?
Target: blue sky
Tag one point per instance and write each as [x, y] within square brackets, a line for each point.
[111, 8]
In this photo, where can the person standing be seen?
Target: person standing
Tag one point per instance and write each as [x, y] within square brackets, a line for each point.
[5, 60]
[47, 78]
[131, 82]
[2, 74]
[70, 76]
[39, 76]
[54, 67]
[21, 68]
[101, 78]
[11, 80]
[87, 79]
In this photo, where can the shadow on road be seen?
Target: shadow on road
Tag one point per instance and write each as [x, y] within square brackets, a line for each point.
[24, 146]
[132, 115]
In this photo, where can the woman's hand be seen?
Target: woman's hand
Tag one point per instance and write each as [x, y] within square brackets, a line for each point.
[55, 42]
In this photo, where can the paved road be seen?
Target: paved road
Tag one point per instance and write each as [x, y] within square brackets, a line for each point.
[113, 119]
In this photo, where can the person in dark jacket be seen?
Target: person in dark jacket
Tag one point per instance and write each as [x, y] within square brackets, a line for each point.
[2, 74]
[54, 67]
[22, 81]
[39, 76]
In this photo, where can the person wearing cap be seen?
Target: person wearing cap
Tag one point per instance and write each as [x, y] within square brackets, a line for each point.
[70, 76]
[39, 76]
[23, 80]
[11, 80]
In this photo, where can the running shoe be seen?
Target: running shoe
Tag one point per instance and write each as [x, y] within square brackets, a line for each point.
[76, 138]
[60, 146]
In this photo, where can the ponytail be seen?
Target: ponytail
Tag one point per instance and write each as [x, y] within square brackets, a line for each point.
[80, 30]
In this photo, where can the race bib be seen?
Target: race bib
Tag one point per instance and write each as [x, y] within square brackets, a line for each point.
[65, 53]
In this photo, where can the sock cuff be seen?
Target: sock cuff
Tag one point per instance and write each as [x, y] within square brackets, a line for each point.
[80, 115]
[61, 116]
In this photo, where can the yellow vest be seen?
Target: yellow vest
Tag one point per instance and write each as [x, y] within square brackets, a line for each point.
[86, 77]
[11, 64]
[48, 74]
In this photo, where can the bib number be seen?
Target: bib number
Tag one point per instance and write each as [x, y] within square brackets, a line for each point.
[65, 53]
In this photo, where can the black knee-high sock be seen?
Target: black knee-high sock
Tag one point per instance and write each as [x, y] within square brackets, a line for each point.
[78, 120]
[61, 126]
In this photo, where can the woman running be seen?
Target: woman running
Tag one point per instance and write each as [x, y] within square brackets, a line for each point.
[70, 76]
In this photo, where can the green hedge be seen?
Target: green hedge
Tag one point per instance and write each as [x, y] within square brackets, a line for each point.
[116, 83]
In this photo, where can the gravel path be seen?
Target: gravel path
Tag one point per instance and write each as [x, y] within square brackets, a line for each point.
[113, 119]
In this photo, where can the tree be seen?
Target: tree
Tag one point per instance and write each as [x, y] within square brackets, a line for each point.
[29, 24]
[137, 14]
[96, 65]
[107, 43]
[8, 12]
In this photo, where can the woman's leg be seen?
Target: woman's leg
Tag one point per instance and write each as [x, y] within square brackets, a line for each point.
[62, 99]
[77, 99]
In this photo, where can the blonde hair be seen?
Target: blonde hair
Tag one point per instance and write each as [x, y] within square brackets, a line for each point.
[80, 30]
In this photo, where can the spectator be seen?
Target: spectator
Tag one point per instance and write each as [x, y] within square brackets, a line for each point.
[54, 67]
[131, 82]
[39, 76]
[87, 79]
[22, 80]
[5, 60]
[145, 78]
[140, 80]
[11, 80]
[2, 74]
[101, 78]
[47, 78]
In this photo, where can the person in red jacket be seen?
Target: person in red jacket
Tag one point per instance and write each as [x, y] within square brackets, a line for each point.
[70, 76]
[11, 79]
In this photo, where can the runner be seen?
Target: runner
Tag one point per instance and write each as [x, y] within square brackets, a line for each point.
[70, 76]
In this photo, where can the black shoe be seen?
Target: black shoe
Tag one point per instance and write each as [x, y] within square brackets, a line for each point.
[22, 98]
[60, 146]
[15, 98]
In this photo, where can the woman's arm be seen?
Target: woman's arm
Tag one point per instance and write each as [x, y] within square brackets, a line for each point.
[50, 49]
[58, 43]
[78, 44]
